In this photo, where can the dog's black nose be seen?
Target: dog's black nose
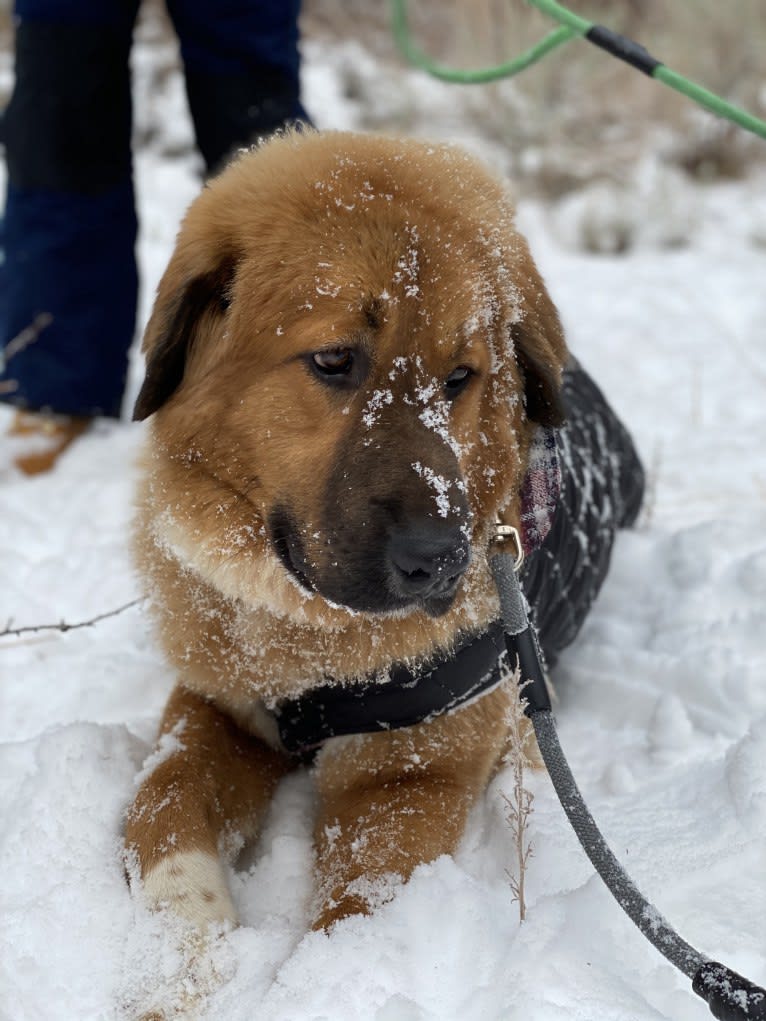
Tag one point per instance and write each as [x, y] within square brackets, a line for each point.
[427, 559]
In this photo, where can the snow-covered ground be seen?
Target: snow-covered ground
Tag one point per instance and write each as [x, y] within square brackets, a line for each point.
[662, 706]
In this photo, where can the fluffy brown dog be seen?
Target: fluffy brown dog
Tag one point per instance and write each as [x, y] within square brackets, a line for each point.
[349, 352]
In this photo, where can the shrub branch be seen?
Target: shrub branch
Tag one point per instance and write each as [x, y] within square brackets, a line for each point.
[63, 626]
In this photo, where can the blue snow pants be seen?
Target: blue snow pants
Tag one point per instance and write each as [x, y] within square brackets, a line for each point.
[70, 225]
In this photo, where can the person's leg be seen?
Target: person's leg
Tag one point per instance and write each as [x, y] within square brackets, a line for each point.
[69, 278]
[241, 62]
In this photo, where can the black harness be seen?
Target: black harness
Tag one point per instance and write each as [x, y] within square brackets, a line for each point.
[404, 697]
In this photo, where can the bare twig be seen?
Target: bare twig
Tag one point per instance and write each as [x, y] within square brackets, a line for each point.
[27, 336]
[21, 341]
[62, 625]
[519, 803]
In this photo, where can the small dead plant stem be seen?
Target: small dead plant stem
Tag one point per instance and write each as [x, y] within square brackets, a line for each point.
[519, 802]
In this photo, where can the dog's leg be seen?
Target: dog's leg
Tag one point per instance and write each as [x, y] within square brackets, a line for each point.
[205, 795]
[393, 800]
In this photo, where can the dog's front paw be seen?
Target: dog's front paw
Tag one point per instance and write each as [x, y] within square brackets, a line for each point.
[333, 911]
[176, 982]
[192, 885]
[360, 896]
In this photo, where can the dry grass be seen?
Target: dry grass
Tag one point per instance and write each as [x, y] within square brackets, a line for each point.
[6, 45]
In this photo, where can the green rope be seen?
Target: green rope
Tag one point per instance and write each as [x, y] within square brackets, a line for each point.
[710, 100]
[571, 25]
[563, 15]
[487, 74]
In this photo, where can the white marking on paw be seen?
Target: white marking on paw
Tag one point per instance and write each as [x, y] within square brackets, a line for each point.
[191, 884]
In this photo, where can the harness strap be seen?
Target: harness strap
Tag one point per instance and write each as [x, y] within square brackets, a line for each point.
[402, 697]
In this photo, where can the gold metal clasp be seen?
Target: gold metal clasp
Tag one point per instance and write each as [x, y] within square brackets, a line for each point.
[504, 532]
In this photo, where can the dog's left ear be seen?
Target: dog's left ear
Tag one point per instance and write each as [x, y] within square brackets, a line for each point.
[540, 349]
[542, 380]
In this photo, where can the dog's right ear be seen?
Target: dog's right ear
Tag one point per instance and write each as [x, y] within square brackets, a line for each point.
[186, 308]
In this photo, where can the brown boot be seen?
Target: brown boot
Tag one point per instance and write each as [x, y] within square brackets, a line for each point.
[48, 435]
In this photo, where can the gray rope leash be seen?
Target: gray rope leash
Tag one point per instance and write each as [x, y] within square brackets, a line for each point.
[622, 887]
[729, 996]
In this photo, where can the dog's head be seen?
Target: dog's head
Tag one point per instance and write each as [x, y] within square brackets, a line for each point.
[348, 352]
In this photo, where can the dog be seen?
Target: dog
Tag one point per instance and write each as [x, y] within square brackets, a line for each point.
[348, 358]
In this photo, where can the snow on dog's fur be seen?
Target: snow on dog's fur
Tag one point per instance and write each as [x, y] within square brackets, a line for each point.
[348, 354]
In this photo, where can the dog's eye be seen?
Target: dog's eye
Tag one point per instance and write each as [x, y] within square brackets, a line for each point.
[342, 368]
[456, 381]
[335, 362]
